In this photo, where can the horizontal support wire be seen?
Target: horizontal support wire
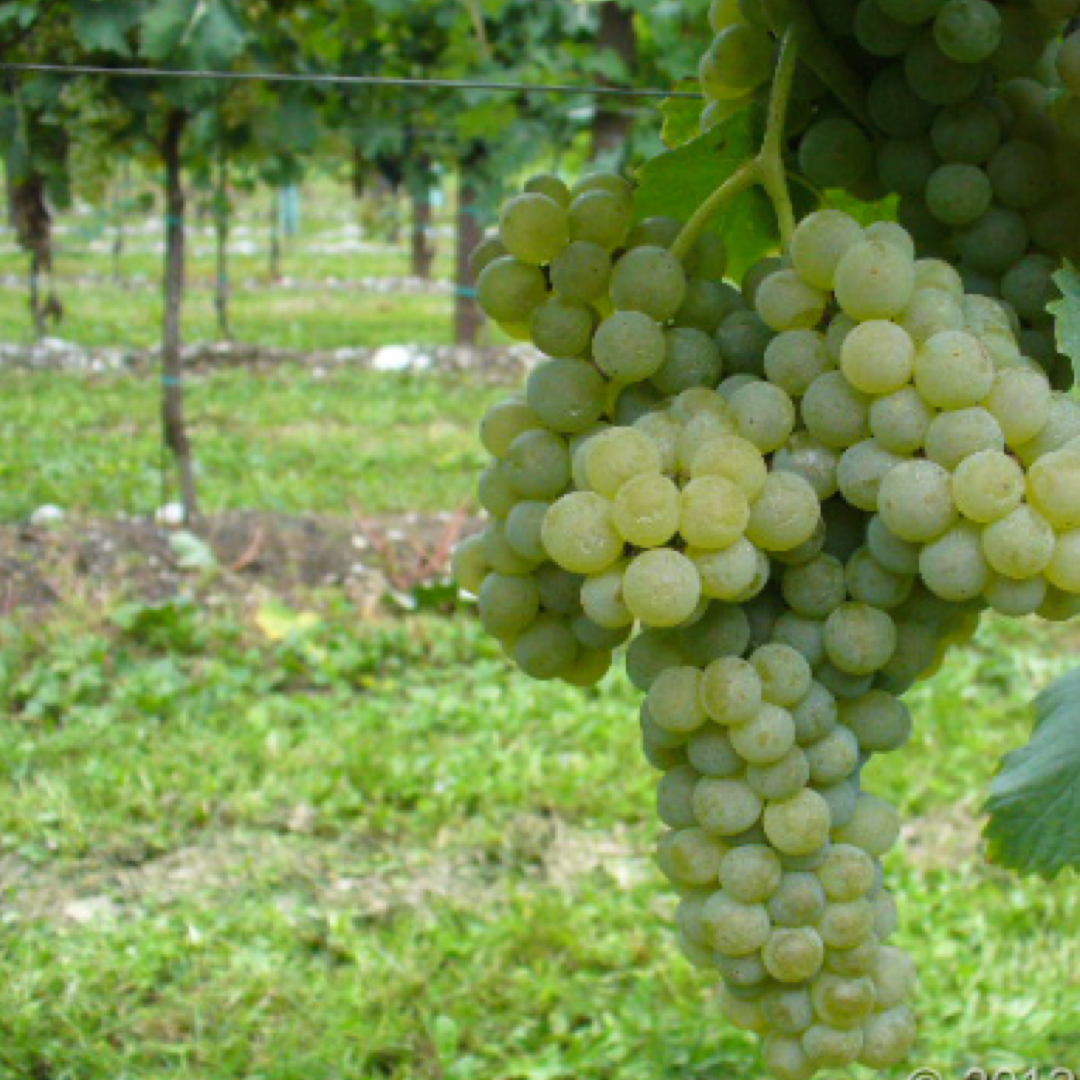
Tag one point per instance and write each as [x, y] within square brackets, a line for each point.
[351, 80]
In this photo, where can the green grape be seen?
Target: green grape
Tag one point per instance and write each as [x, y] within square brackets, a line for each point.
[509, 290]
[731, 691]
[1020, 402]
[881, 34]
[895, 555]
[953, 566]
[757, 273]
[886, 916]
[504, 422]
[1068, 63]
[730, 574]
[906, 165]
[805, 636]
[706, 305]
[793, 955]
[816, 464]
[993, 243]
[745, 1015]
[894, 977]
[936, 77]
[597, 638]
[693, 856]
[874, 280]
[853, 962]
[691, 358]
[764, 415]
[723, 630]
[486, 252]
[911, 12]
[880, 721]
[739, 60]
[646, 510]
[833, 758]
[1015, 598]
[603, 181]
[766, 738]
[662, 587]
[469, 564]
[786, 302]
[648, 654]
[629, 346]
[888, 1039]
[785, 674]
[1029, 286]
[650, 280]
[969, 132]
[1063, 570]
[953, 370]
[843, 1002]
[915, 501]
[560, 590]
[914, 215]
[871, 583]
[708, 259]
[663, 429]
[743, 339]
[846, 924]
[1062, 425]
[787, 1010]
[588, 668]
[534, 228]
[713, 513]
[968, 31]
[843, 684]
[834, 412]
[1022, 174]
[546, 649]
[785, 514]
[580, 536]
[580, 273]
[798, 901]
[725, 807]
[958, 194]
[538, 464]
[781, 779]
[551, 186]
[697, 433]
[820, 241]
[736, 460]
[1019, 545]
[875, 828]
[617, 455]
[567, 395]
[523, 526]
[734, 928]
[900, 421]
[498, 496]
[861, 471]
[837, 17]
[673, 700]
[750, 874]
[930, 312]
[1053, 488]
[834, 153]
[600, 217]
[632, 402]
[859, 639]
[561, 329]
[894, 106]
[816, 588]
[676, 795]
[955, 436]
[711, 753]
[891, 232]
[602, 599]
[799, 825]
[794, 359]
[878, 357]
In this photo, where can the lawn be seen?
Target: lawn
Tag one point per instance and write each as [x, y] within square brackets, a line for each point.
[287, 438]
[296, 844]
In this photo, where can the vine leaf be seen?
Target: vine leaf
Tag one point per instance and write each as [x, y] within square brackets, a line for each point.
[677, 182]
[1034, 803]
[682, 116]
[1067, 313]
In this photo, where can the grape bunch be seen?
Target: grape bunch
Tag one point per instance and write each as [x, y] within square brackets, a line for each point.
[788, 501]
[967, 125]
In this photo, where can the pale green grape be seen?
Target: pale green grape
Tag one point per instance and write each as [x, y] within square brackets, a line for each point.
[750, 874]
[596, 638]
[788, 1010]
[534, 228]
[603, 180]
[561, 328]
[880, 721]
[567, 395]
[602, 599]
[690, 857]
[1053, 488]
[763, 414]
[711, 753]
[691, 358]
[843, 1001]
[859, 639]
[833, 758]
[560, 591]
[785, 514]
[888, 1039]
[816, 588]
[551, 186]
[734, 928]
[469, 564]
[895, 555]
[874, 280]
[650, 280]
[804, 456]
[697, 432]
[727, 574]
[546, 649]
[894, 977]
[484, 254]
[785, 674]
[987, 486]
[862, 470]
[915, 501]
[723, 630]
[616, 455]
[662, 587]
[508, 604]
[651, 652]
[588, 668]
[798, 901]
[955, 436]
[523, 530]
[504, 422]
[767, 737]
[745, 1015]
[878, 357]
[509, 290]
[794, 359]
[738, 60]
[676, 797]
[875, 828]
[734, 459]
[900, 421]
[500, 556]
[646, 510]
[799, 825]
[786, 302]
[663, 429]
[1019, 545]
[1020, 401]
[835, 413]
[844, 685]
[629, 346]
[580, 535]
[713, 513]
[581, 272]
[601, 217]
[936, 274]
[1016, 598]
[731, 691]
[725, 807]
[892, 232]
[1063, 570]
[871, 583]
[496, 490]
[674, 700]
[780, 779]
[793, 955]
[856, 961]
[953, 370]
[743, 339]
[819, 243]
[1062, 425]
[805, 636]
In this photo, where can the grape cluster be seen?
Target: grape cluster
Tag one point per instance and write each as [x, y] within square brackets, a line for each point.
[789, 500]
[969, 129]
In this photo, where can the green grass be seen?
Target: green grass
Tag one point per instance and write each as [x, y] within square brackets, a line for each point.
[370, 850]
[280, 439]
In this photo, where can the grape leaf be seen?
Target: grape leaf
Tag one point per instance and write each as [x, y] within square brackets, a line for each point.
[104, 27]
[676, 183]
[682, 116]
[164, 26]
[1034, 802]
[1066, 312]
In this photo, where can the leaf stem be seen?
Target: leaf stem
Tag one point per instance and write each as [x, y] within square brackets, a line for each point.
[745, 177]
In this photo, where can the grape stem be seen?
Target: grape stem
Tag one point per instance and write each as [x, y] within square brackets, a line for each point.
[765, 168]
